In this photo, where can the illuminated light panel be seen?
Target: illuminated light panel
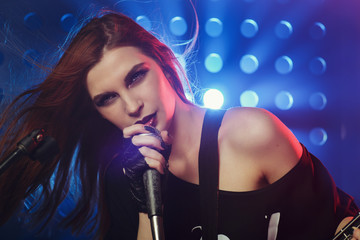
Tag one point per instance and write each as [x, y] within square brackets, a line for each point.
[213, 63]
[249, 64]
[317, 31]
[318, 101]
[249, 98]
[249, 28]
[178, 26]
[213, 98]
[318, 136]
[144, 21]
[33, 21]
[284, 100]
[67, 21]
[317, 66]
[283, 29]
[214, 27]
[284, 65]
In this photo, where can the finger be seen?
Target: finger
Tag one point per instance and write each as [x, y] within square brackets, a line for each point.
[167, 138]
[147, 140]
[153, 158]
[153, 154]
[356, 233]
[133, 130]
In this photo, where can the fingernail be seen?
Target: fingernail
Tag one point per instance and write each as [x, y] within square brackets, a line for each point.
[151, 129]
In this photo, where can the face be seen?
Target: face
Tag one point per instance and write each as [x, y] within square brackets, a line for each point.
[128, 87]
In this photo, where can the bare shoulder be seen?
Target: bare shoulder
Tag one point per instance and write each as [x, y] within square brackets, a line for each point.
[251, 127]
[255, 134]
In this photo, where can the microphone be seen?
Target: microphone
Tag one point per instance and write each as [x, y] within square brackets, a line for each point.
[152, 184]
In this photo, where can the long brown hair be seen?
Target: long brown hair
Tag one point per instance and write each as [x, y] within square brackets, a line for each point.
[61, 105]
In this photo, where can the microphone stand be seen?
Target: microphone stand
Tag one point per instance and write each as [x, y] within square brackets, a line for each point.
[152, 182]
[36, 145]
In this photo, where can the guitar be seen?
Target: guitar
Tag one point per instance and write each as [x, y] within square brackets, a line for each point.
[346, 232]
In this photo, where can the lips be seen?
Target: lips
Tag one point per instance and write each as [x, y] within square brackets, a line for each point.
[148, 120]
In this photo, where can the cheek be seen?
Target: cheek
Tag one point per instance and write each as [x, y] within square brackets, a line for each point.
[113, 115]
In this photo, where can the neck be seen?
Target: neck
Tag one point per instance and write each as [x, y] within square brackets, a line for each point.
[185, 128]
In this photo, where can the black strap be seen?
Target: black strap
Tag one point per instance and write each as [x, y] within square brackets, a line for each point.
[209, 173]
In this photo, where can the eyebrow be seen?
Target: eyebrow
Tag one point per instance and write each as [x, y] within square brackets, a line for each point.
[126, 79]
[133, 70]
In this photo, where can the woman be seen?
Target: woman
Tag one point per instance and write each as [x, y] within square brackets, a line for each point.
[116, 80]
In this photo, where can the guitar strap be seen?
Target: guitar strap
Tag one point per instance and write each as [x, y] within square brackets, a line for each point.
[209, 173]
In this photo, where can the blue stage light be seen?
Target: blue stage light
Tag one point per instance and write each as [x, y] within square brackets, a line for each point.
[178, 26]
[249, 28]
[30, 57]
[144, 21]
[213, 63]
[249, 98]
[318, 136]
[284, 100]
[33, 21]
[67, 21]
[317, 66]
[318, 101]
[213, 98]
[214, 27]
[284, 65]
[249, 64]
[317, 30]
[283, 29]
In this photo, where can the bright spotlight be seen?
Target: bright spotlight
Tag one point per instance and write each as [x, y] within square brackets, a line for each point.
[213, 63]
[249, 64]
[317, 66]
[249, 28]
[283, 29]
[213, 98]
[249, 98]
[178, 26]
[318, 101]
[318, 30]
[214, 27]
[284, 65]
[144, 21]
[67, 21]
[284, 100]
[33, 21]
[318, 136]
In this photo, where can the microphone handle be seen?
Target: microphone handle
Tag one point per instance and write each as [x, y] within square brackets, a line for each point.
[152, 183]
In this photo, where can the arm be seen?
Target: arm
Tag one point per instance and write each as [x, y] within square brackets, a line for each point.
[144, 231]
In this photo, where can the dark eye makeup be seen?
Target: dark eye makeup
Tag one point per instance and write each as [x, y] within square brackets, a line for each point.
[104, 99]
[135, 75]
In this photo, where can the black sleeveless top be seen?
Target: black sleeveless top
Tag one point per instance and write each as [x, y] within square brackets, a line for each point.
[303, 204]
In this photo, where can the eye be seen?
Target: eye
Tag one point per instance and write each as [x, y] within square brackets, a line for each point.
[137, 76]
[105, 99]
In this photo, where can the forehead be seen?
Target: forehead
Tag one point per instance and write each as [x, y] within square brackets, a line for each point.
[115, 64]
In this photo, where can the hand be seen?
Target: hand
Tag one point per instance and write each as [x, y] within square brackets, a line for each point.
[356, 234]
[144, 148]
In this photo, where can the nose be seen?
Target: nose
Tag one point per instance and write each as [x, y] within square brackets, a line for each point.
[133, 107]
